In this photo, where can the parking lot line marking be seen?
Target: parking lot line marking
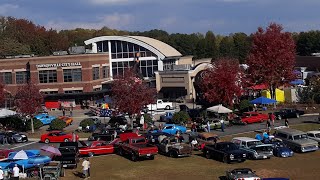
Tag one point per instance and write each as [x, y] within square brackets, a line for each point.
[23, 145]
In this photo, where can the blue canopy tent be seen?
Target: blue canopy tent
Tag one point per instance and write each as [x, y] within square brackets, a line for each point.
[263, 100]
[297, 82]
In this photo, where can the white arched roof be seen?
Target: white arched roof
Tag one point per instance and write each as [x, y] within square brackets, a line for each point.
[161, 49]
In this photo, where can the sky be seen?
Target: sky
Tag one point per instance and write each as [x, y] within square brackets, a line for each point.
[174, 16]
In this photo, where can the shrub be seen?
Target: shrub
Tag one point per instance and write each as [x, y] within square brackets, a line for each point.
[86, 122]
[180, 117]
[244, 105]
[57, 124]
[147, 118]
[15, 123]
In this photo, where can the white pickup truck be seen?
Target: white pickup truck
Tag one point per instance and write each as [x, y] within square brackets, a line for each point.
[160, 105]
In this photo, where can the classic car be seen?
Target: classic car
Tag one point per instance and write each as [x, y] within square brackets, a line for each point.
[53, 170]
[152, 138]
[224, 151]
[69, 154]
[45, 118]
[15, 137]
[68, 120]
[56, 136]
[136, 147]
[170, 146]
[160, 104]
[296, 140]
[242, 173]
[207, 139]
[280, 149]
[214, 124]
[288, 113]
[167, 117]
[92, 148]
[314, 135]
[253, 117]
[255, 149]
[172, 129]
[117, 120]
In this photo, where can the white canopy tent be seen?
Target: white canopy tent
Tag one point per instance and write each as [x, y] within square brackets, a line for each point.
[6, 113]
[219, 109]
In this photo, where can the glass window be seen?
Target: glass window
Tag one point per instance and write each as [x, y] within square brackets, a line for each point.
[124, 46]
[119, 55]
[114, 56]
[130, 46]
[125, 55]
[21, 77]
[113, 47]
[136, 48]
[73, 91]
[95, 73]
[105, 71]
[50, 92]
[99, 46]
[105, 46]
[72, 75]
[119, 46]
[48, 76]
[6, 77]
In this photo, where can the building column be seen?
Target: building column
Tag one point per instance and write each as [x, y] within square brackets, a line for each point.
[110, 60]
[160, 64]
[94, 48]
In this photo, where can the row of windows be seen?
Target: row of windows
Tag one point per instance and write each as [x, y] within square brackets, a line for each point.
[123, 49]
[50, 76]
[147, 68]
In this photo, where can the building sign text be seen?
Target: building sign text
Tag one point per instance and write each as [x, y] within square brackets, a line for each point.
[58, 65]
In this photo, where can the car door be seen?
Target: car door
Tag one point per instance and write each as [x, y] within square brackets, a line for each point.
[53, 137]
[168, 129]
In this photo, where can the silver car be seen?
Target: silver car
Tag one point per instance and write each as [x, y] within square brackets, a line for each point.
[242, 173]
[254, 148]
[314, 135]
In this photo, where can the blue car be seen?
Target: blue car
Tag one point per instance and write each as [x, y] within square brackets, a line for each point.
[45, 118]
[172, 129]
[281, 150]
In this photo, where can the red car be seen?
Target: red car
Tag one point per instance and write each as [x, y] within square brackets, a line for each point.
[253, 117]
[57, 136]
[96, 148]
[4, 153]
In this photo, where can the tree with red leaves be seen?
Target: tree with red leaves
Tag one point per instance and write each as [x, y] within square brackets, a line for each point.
[221, 83]
[272, 57]
[28, 101]
[131, 94]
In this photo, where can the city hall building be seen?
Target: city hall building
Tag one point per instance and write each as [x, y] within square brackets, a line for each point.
[87, 75]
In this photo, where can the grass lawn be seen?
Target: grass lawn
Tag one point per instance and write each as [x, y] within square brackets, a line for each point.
[300, 167]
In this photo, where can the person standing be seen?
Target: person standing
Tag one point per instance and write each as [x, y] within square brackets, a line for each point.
[71, 112]
[74, 137]
[15, 172]
[85, 165]
[1, 173]
[89, 167]
[222, 125]
[193, 127]
[286, 122]
[208, 126]
[63, 112]
[273, 117]
[268, 125]
[115, 134]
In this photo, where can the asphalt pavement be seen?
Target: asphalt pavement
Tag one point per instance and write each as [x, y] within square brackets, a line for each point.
[235, 129]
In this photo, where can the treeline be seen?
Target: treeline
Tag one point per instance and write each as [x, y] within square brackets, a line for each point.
[20, 36]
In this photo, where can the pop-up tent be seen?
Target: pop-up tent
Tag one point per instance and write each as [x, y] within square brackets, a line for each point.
[219, 109]
[263, 100]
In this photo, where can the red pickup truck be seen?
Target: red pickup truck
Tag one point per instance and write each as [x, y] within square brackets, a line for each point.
[136, 147]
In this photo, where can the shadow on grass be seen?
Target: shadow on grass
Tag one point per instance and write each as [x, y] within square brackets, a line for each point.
[78, 174]
[312, 122]
[223, 178]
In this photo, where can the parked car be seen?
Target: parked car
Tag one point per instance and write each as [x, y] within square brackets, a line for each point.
[15, 137]
[167, 117]
[314, 135]
[242, 173]
[152, 138]
[69, 154]
[280, 149]
[53, 170]
[4, 153]
[296, 140]
[160, 104]
[207, 138]
[214, 124]
[255, 149]
[118, 120]
[288, 113]
[96, 148]
[45, 118]
[253, 117]
[172, 129]
[224, 151]
[57, 136]
[170, 146]
[136, 147]
[68, 120]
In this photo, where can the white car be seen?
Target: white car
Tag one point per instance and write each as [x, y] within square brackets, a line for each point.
[314, 135]
[160, 105]
[242, 174]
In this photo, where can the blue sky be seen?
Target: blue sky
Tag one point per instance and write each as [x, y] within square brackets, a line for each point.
[174, 16]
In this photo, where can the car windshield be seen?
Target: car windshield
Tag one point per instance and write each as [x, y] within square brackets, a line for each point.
[243, 171]
[231, 147]
[301, 136]
[61, 134]
[262, 148]
[254, 143]
[140, 140]
[279, 144]
[317, 135]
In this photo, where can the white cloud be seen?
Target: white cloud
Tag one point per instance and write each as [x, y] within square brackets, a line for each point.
[115, 21]
[119, 2]
[5, 8]
[168, 21]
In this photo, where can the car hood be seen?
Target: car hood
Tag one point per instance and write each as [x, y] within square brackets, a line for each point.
[306, 142]
[283, 149]
[246, 176]
[236, 151]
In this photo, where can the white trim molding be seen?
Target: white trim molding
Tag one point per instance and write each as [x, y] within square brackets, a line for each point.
[73, 88]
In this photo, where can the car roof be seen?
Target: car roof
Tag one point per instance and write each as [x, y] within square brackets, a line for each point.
[313, 132]
[290, 131]
[245, 139]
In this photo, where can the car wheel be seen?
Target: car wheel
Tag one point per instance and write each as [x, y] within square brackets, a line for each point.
[207, 154]
[90, 154]
[225, 159]
[134, 157]
[173, 154]
[66, 140]
[167, 107]
[120, 152]
[47, 141]
[279, 117]
[297, 115]
[151, 157]
[62, 172]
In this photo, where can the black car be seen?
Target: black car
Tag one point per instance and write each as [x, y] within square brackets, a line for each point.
[288, 113]
[118, 120]
[69, 154]
[106, 134]
[152, 138]
[15, 137]
[224, 151]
